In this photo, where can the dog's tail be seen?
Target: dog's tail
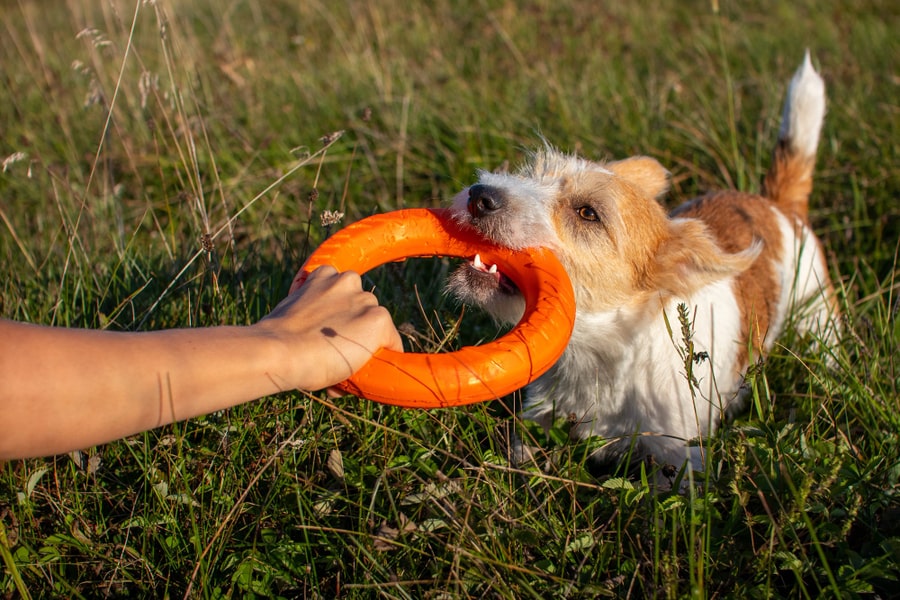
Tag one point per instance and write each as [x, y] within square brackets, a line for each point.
[789, 180]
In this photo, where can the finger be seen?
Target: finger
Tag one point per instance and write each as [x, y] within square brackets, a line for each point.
[321, 272]
[368, 299]
[350, 279]
[392, 339]
[396, 343]
[334, 393]
[322, 279]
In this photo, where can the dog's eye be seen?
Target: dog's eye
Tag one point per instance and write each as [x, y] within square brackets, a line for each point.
[587, 213]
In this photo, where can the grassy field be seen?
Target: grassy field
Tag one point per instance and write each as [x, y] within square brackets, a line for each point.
[167, 164]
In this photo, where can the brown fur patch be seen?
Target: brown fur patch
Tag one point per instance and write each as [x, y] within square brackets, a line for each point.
[690, 258]
[612, 256]
[737, 220]
[789, 182]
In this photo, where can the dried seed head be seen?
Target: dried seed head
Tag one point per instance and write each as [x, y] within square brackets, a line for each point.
[97, 38]
[206, 242]
[407, 329]
[147, 84]
[331, 138]
[313, 195]
[13, 159]
[80, 68]
[331, 217]
[94, 94]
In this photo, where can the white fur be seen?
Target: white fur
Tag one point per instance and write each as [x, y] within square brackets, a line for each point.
[806, 284]
[534, 228]
[804, 110]
[635, 380]
[802, 276]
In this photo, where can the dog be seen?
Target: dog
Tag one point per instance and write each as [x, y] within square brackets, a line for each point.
[672, 309]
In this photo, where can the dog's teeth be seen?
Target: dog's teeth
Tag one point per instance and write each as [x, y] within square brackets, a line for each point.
[478, 263]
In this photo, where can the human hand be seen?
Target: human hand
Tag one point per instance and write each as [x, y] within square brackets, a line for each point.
[55, 381]
[329, 328]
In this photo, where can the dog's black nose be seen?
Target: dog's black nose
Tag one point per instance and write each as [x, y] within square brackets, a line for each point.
[484, 200]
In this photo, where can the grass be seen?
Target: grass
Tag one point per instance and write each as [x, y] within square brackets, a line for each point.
[168, 165]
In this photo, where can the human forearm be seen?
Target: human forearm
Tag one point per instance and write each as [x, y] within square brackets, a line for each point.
[62, 389]
[91, 386]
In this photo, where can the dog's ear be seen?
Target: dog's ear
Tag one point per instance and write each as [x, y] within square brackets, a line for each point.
[690, 258]
[644, 173]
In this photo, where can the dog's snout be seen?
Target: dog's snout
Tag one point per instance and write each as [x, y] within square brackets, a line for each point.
[485, 200]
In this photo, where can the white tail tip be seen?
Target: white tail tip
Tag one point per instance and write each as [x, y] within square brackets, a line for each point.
[804, 110]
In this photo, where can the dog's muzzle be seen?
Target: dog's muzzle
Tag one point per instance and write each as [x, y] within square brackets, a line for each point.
[485, 200]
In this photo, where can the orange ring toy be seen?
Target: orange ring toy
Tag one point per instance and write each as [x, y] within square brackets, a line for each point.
[474, 373]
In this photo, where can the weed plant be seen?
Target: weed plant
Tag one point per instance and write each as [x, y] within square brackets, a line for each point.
[170, 164]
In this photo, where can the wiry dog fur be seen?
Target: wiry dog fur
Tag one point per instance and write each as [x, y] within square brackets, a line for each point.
[742, 264]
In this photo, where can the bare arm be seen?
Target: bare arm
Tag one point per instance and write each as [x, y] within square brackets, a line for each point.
[62, 389]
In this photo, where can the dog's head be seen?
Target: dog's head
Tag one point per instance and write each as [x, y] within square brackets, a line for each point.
[604, 223]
